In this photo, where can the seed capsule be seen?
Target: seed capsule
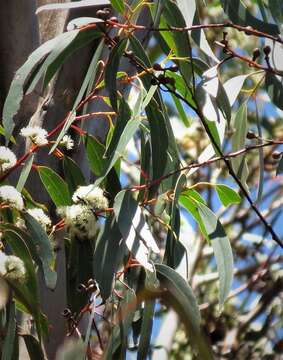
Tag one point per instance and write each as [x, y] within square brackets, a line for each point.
[267, 50]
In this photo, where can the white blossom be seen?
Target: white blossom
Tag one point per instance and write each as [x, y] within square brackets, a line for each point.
[7, 158]
[67, 142]
[79, 219]
[11, 196]
[12, 267]
[36, 134]
[92, 196]
[40, 216]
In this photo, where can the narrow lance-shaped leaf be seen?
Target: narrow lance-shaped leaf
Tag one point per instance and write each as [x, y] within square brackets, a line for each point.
[8, 346]
[33, 347]
[16, 91]
[118, 144]
[239, 14]
[222, 250]
[238, 142]
[179, 294]
[134, 228]
[44, 249]
[111, 71]
[174, 249]
[84, 90]
[107, 255]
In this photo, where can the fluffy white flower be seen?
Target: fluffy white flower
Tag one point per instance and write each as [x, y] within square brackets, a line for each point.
[10, 196]
[91, 195]
[40, 216]
[67, 142]
[12, 267]
[3, 258]
[7, 158]
[36, 134]
[79, 219]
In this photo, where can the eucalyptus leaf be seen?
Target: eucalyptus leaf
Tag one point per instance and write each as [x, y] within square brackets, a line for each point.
[222, 251]
[134, 228]
[56, 187]
[44, 249]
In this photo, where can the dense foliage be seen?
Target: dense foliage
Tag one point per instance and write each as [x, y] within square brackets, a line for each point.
[175, 199]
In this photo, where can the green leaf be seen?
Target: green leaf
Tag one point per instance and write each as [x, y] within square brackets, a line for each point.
[107, 256]
[25, 173]
[238, 142]
[222, 251]
[85, 89]
[146, 330]
[134, 228]
[118, 5]
[164, 152]
[240, 15]
[55, 186]
[177, 41]
[16, 91]
[227, 195]
[44, 249]
[33, 347]
[174, 251]
[26, 293]
[73, 174]
[274, 88]
[111, 71]
[63, 48]
[178, 293]
[20, 249]
[189, 202]
[117, 145]
[8, 346]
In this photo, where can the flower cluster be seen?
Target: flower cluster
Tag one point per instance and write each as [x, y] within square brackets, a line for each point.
[12, 267]
[40, 216]
[67, 142]
[7, 158]
[80, 217]
[11, 196]
[36, 134]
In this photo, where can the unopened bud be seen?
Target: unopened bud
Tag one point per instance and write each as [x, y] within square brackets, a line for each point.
[267, 50]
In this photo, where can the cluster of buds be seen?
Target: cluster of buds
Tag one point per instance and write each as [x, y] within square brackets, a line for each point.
[257, 53]
[163, 78]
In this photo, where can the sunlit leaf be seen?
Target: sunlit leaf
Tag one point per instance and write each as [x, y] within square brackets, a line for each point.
[238, 142]
[227, 195]
[118, 5]
[222, 250]
[179, 294]
[134, 228]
